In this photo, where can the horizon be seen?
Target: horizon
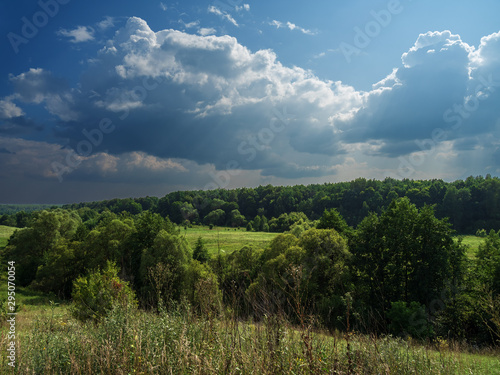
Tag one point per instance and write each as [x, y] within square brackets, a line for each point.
[235, 188]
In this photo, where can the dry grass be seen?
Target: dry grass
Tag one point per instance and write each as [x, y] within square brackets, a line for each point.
[138, 342]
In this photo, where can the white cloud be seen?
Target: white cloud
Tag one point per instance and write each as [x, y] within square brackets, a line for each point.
[218, 87]
[80, 34]
[291, 26]
[9, 109]
[206, 31]
[200, 100]
[40, 86]
[106, 23]
[189, 25]
[214, 10]
[245, 7]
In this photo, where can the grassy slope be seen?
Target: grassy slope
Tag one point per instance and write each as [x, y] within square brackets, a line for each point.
[51, 341]
[5, 233]
[228, 239]
[473, 243]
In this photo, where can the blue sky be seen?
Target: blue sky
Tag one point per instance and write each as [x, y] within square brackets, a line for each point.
[117, 99]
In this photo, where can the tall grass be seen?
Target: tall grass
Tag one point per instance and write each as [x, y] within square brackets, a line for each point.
[180, 342]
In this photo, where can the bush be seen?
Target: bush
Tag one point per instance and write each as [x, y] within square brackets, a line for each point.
[200, 252]
[97, 293]
[481, 233]
[409, 320]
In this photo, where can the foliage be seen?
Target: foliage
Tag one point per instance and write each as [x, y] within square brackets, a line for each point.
[332, 220]
[128, 341]
[409, 319]
[406, 255]
[97, 293]
[32, 247]
[173, 251]
[200, 252]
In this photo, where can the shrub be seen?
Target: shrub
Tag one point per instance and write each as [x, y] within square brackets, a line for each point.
[200, 252]
[409, 320]
[95, 294]
[481, 233]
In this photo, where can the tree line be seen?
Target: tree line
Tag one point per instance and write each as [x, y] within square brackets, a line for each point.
[397, 272]
[471, 204]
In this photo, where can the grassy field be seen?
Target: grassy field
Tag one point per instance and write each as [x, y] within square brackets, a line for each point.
[473, 243]
[50, 341]
[5, 233]
[227, 239]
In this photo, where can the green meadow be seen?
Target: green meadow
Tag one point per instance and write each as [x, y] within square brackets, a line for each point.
[226, 240]
[472, 243]
[5, 233]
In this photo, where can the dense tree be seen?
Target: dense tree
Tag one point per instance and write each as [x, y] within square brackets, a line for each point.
[405, 255]
[200, 252]
[333, 220]
[471, 204]
[31, 247]
[487, 269]
[215, 217]
[173, 252]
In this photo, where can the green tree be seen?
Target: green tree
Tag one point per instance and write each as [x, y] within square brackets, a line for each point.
[200, 252]
[215, 217]
[30, 247]
[172, 251]
[95, 294]
[487, 269]
[236, 219]
[333, 220]
[405, 255]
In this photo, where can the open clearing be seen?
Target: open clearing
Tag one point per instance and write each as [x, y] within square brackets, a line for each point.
[226, 239]
[5, 233]
[473, 243]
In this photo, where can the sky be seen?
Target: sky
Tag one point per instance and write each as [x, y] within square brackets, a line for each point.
[102, 100]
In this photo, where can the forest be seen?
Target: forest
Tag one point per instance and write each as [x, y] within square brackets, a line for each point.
[471, 204]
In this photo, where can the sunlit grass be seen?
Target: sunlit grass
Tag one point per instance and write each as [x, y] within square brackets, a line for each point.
[472, 243]
[179, 342]
[225, 239]
[5, 233]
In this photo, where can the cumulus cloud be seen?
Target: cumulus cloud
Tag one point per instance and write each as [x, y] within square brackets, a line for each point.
[40, 86]
[82, 33]
[204, 31]
[414, 99]
[184, 105]
[211, 100]
[9, 109]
